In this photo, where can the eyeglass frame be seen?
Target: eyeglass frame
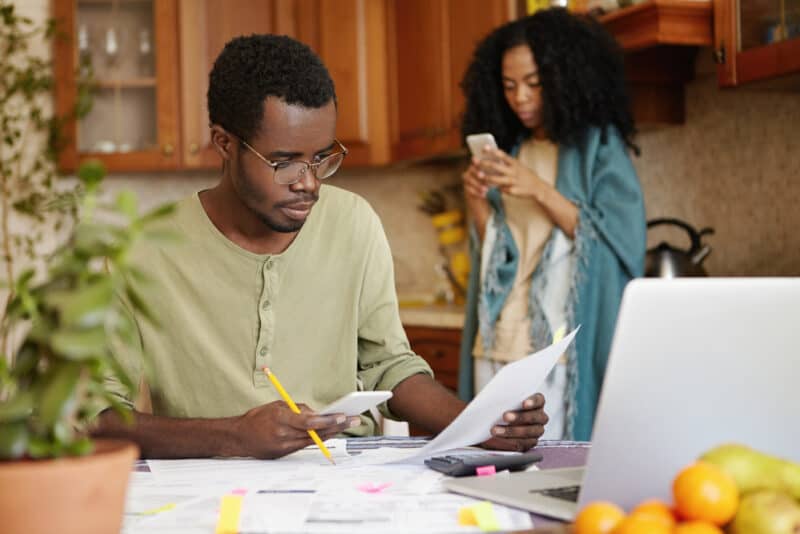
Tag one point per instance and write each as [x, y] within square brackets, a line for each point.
[309, 165]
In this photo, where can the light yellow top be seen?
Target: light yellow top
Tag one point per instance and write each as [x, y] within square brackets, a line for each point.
[322, 315]
[531, 227]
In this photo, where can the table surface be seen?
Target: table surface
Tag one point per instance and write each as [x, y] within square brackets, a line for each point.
[556, 454]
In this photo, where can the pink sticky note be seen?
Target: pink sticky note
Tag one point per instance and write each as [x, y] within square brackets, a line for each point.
[239, 491]
[371, 487]
[485, 470]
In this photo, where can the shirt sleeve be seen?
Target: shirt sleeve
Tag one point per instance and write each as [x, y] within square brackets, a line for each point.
[385, 357]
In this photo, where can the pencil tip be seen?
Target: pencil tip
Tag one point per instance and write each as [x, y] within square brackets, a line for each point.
[331, 459]
[265, 369]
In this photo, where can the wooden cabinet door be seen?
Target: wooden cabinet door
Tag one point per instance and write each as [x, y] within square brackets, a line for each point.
[470, 22]
[430, 45]
[419, 81]
[350, 38]
[205, 27]
[439, 347]
[133, 125]
[755, 40]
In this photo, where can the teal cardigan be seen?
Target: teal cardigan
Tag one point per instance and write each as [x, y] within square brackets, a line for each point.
[597, 175]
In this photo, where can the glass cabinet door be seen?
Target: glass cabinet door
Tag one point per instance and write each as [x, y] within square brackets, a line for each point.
[756, 40]
[764, 22]
[116, 40]
[128, 51]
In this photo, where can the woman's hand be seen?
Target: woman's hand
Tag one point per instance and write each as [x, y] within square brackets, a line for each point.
[509, 175]
[475, 189]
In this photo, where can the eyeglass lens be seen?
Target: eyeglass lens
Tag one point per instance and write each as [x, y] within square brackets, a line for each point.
[293, 171]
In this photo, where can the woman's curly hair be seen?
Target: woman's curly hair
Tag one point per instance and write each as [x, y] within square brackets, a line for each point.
[582, 74]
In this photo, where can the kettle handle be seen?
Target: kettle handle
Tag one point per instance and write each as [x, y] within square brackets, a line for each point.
[694, 235]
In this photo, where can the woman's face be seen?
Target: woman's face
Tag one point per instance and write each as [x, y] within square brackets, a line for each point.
[521, 85]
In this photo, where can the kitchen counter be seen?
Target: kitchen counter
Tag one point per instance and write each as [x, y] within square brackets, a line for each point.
[433, 315]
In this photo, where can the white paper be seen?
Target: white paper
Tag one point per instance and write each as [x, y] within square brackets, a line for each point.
[513, 384]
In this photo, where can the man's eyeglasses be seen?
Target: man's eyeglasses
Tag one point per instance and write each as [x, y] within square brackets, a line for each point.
[291, 172]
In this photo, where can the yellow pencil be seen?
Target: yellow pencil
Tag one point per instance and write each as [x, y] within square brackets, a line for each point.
[285, 396]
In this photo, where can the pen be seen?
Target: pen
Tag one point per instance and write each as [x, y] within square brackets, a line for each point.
[285, 396]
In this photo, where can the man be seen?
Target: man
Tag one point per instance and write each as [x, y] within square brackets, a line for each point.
[275, 270]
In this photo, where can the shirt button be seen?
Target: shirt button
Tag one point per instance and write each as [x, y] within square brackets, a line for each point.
[265, 305]
[263, 351]
[268, 264]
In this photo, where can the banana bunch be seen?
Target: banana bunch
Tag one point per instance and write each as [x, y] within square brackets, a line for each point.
[769, 486]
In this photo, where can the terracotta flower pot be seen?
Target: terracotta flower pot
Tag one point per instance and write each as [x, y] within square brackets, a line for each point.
[83, 495]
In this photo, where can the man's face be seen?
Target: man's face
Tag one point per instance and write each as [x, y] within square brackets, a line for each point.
[287, 133]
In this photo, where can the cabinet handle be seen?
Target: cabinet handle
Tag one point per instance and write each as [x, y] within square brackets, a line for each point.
[194, 148]
[168, 149]
[438, 353]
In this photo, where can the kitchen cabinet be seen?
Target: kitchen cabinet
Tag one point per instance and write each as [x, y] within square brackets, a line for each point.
[133, 50]
[756, 40]
[396, 64]
[204, 28]
[660, 40]
[440, 348]
[430, 46]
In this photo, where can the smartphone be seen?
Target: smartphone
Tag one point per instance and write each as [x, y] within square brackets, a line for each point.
[357, 402]
[477, 142]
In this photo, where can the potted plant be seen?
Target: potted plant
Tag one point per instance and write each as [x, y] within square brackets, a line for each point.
[64, 314]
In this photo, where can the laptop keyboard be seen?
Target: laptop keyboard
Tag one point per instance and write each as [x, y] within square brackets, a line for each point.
[566, 493]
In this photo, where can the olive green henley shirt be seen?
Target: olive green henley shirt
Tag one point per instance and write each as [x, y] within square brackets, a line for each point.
[322, 315]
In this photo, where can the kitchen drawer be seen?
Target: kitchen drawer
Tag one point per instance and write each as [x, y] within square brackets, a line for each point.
[440, 348]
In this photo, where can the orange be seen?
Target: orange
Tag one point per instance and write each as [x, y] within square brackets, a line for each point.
[656, 509]
[704, 492]
[642, 524]
[598, 518]
[697, 527]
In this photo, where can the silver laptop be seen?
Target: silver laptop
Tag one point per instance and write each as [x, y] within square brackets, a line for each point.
[694, 363]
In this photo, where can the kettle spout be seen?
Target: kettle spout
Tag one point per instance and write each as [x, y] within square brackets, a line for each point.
[698, 257]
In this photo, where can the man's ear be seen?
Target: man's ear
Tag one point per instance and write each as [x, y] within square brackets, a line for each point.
[223, 142]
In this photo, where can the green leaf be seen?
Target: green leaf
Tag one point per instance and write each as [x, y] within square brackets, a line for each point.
[86, 307]
[26, 360]
[63, 433]
[39, 447]
[128, 204]
[157, 214]
[58, 396]
[163, 235]
[17, 408]
[80, 344]
[140, 305]
[91, 172]
[13, 440]
[81, 447]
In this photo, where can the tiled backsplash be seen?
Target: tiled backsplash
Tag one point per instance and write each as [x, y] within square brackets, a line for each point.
[734, 166]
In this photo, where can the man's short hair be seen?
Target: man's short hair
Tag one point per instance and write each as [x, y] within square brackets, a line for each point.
[249, 69]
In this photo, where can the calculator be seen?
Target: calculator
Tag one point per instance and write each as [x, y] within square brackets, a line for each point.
[462, 465]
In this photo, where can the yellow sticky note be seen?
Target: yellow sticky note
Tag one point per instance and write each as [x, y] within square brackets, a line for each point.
[484, 515]
[229, 510]
[160, 509]
[466, 517]
[558, 335]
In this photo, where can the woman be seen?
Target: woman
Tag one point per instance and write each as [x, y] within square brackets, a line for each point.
[559, 224]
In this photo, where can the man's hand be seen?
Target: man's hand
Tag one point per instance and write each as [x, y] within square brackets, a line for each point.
[524, 427]
[273, 430]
